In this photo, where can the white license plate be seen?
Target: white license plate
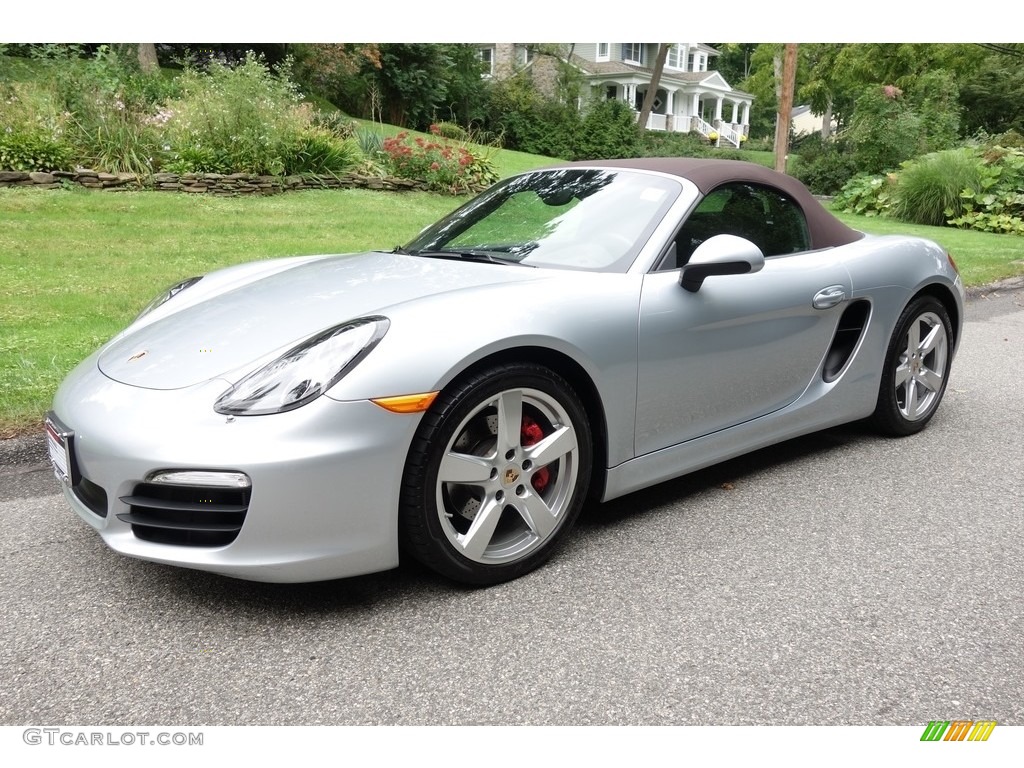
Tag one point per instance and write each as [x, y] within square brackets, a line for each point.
[58, 443]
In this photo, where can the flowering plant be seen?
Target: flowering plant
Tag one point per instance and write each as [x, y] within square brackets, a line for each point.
[444, 165]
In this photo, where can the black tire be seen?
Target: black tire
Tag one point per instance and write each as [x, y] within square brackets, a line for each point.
[916, 369]
[496, 475]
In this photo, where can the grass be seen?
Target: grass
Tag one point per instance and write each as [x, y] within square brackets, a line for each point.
[77, 266]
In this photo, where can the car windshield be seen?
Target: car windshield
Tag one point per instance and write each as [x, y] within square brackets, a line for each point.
[570, 218]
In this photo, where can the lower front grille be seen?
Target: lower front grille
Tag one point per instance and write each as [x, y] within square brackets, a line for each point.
[186, 515]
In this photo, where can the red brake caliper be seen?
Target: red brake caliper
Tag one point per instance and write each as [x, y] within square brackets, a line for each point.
[531, 434]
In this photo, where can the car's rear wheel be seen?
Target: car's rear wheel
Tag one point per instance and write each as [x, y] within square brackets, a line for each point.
[497, 474]
[916, 368]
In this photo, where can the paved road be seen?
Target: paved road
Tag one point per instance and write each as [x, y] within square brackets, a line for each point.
[838, 579]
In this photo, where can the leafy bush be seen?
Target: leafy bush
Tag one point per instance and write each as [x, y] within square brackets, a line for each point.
[32, 129]
[33, 152]
[450, 131]
[531, 123]
[109, 105]
[337, 123]
[670, 144]
[245, 119]
[884, 129]
[441, 164]
[928, 189]
[321, 152]
[998, 205]
[609, 130]
[824, 166]
[867, 195]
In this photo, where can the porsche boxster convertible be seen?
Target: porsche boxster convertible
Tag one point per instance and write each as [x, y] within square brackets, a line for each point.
[569, 336]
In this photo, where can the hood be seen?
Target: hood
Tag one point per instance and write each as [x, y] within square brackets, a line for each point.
[226, 334]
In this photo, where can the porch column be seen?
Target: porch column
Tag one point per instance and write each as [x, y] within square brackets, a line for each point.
[746, 113]
[695, 104]
[718, 109]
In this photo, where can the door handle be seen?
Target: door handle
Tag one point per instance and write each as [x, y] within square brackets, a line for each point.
[829, 297]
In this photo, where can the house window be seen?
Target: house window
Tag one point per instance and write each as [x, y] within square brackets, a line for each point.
[675, 57]
[525, 55]
[611, 92]
[486, 61]
[603, 52]
[633, 53]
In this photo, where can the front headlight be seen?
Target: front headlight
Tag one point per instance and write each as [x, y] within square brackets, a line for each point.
[167, 295]
[304, 372]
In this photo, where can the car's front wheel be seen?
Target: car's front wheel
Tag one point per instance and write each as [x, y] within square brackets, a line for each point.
[916, 368]
[497, 474]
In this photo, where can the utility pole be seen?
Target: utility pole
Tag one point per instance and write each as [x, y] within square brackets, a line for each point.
[785, 113]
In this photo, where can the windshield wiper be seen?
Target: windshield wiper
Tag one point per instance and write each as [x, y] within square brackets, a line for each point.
[468, 255]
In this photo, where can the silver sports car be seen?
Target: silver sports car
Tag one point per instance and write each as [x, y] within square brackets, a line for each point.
[569, 336]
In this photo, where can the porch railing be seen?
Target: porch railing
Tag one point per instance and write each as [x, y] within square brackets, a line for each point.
[726, 132]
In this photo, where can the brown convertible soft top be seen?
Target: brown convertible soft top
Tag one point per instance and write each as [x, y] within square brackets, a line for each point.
[825, 229]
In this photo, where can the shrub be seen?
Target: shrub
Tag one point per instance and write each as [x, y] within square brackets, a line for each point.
[245, 119]
[824, 166]
[33, 152]
[608, 130]
[32, 129]
[670, 144]
[884, 129]
[928, 189]
[321, 152]
[450, 131]
[337, 123]
[444, 166]
[998, 206]
[867, 195]
[110, 105]
[531, 123]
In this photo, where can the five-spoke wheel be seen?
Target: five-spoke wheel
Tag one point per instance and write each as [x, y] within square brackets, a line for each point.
[916, 368]
[497, 473]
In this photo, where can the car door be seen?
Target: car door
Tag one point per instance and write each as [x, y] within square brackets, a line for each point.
[742, 346]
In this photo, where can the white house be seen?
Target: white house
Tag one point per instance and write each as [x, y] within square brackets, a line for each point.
[691, 95]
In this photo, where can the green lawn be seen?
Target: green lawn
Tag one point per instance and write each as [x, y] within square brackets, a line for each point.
[76, 266]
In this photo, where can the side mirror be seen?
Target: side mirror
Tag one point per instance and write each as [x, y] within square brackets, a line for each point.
[720, 255]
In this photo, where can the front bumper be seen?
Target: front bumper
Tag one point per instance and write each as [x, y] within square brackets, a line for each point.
[325, 477]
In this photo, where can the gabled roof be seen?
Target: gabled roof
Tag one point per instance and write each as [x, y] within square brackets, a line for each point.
[711, 77]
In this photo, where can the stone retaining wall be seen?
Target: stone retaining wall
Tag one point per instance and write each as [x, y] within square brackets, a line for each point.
[203, 183]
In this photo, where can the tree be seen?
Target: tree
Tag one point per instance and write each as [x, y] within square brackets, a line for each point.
[652, 89]
[147, 58]
[734, 60]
